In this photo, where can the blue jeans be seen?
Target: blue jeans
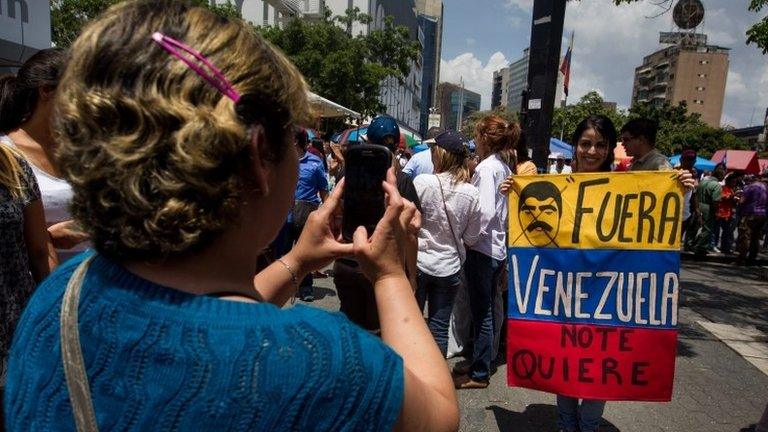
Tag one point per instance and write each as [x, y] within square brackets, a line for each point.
[482, 279]
[571, 419]
[439, 292]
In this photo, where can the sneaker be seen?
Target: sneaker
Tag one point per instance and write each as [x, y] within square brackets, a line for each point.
[715, 249]
[309, 298]
[465, 382]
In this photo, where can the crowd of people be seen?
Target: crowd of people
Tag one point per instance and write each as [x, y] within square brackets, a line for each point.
[141, 182]
[727, 208]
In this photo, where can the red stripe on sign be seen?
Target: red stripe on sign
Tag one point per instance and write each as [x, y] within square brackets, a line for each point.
[592, 362]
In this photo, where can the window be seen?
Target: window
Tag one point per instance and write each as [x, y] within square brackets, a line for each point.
[700, 88]
[703, 62]
[698, 102]
[702, 75]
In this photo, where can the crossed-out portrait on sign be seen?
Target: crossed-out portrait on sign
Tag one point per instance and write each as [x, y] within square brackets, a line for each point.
[540, 209]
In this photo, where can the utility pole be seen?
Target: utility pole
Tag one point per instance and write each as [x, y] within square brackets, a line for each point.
[543, 68]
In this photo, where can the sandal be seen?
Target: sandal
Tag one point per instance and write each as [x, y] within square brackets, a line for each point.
[466, 382]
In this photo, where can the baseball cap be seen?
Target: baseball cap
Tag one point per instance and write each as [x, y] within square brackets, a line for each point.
[452, 141]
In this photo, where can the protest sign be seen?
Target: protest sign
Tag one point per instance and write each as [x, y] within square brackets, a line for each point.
[593, 284]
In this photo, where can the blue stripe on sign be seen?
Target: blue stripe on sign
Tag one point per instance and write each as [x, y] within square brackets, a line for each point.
[594, 286]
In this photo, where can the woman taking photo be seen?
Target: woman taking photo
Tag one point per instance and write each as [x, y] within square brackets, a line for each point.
[182, 174]
[594, 143]
[25, 248]
[495, 139]
[450, 219]
[26, 112]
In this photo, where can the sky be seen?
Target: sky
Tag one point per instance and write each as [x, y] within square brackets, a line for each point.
[481, 36]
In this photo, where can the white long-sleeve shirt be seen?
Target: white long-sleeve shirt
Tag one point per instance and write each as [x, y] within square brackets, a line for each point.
[489, 174]
[438, 255]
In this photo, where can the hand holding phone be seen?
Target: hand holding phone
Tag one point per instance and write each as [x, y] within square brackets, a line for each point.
[366, 170]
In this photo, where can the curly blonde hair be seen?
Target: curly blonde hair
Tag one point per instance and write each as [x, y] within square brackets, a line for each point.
[159, 160]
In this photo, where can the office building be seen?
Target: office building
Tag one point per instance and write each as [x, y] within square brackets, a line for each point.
[454, 99]
[689, 70]
[431, 23]
[500, 92]
[403, 100]
[25, 28]
[518, 82]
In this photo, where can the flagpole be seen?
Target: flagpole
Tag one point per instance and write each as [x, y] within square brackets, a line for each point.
[566, 83]
[564, 104]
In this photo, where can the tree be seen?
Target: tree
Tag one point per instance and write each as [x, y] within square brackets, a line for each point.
[680, 130]
[757, 34]
[69, 17]
[348, 69]
[468, 126]
[565, 120]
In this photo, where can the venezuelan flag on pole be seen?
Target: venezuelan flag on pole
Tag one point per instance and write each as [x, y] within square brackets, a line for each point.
[593, 284]
[565, 67]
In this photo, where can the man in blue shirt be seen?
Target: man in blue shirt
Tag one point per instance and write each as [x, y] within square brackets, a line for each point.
[311, 190]
[421, 162]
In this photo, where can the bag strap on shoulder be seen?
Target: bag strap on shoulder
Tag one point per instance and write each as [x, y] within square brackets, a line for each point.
[72, 353]
[448, 215]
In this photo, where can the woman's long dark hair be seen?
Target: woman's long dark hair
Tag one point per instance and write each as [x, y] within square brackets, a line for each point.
[19, 94]
[602, 125]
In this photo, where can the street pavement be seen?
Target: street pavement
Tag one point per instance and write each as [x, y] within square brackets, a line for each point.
[721, 378]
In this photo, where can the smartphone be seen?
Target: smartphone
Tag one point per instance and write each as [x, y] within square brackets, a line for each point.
[365, 170]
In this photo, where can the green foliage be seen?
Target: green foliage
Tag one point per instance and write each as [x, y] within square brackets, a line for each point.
[679, 130]
[468, 128]
[347, 69]
[69, 17]
[757, 34]
[565, 120]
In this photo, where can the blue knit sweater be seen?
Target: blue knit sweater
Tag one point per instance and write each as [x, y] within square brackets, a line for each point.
[158, 359]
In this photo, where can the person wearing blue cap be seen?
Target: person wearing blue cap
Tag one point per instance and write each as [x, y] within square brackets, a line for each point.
[451, 218]
[355, 292]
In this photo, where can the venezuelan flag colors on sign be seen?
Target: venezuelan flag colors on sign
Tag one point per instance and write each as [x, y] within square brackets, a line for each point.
[593, 284]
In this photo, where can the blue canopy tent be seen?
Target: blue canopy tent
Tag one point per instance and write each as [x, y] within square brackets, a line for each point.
[701, 163]
[557, 146]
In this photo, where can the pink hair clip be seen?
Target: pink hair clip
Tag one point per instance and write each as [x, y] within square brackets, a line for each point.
[216, 79]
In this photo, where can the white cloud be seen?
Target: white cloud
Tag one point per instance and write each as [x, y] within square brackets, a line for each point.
[471, 41]
[735, 86]
[524, 5]
[477, 76]
[611, 41]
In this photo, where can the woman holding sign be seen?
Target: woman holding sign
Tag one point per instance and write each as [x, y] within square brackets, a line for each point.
[594, 141]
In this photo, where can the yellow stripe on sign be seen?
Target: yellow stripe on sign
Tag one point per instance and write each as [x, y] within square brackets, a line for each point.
[642, 210]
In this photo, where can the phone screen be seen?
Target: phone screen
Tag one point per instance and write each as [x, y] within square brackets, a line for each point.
[366, 168]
